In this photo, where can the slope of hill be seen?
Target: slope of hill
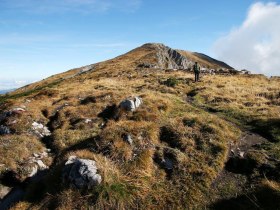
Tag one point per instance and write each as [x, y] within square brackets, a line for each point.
[205, 60]
[174, 144]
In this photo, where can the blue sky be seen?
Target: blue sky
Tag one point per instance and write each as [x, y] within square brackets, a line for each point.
[41, 38]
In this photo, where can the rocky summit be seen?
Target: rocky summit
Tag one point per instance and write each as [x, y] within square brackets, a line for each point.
[168, 58]
[137, 132]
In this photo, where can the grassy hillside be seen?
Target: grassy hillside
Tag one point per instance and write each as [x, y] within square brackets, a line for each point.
[193, 126]
[204, 60]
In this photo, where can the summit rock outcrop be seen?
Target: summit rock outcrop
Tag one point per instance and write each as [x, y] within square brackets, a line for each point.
[168, 58]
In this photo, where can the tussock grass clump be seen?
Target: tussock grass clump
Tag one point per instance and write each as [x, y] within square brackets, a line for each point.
[171, 82]
[117, 190]
[143, 134]
[266, 196]
[63, 139]
[250, 100]
[17, 150]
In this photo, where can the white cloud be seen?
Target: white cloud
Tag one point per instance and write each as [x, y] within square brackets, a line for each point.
[255, 45]
[63, 6]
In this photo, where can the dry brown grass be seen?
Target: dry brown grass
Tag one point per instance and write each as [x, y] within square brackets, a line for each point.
[253, 95]
[144, 135]
[15, 151]
[167, 125]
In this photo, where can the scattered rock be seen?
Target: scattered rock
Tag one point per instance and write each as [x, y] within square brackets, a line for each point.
[128, 138]
[137, 102]
[4, 191]
[88, 121]
[87, 68]
[41, 165]
[81, 173]
[19, 109]
[35, 163]
[43, 154]
[4, 115]
[34, 171]
[146, 65]
[131, 104]
[166, 160]
[37, 125]
[4, 130]
[244, 71]
[61, 107]
[128, 105]
[7, 117]
[241, 154]
[12, 122]
[168, 163]
[102, 125]
[40, 130]
[40, 155]
[35, 155]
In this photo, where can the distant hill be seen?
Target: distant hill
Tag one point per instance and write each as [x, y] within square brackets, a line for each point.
[6, 91]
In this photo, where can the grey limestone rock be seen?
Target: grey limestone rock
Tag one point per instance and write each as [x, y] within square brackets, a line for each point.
[128, 138]
[4, 130]
[40, 129]
[131, 104]
[168, 58]
[81, 173]
[146, 65]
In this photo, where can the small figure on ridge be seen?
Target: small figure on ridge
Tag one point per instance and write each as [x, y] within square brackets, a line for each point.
[196, 70]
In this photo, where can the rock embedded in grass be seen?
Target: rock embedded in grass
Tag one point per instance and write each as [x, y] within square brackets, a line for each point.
[37, 163]
[40, 129]
[88, 121]
[127, 138]
[19, 109]
[130, 104]
[4, 130]
[81, 173]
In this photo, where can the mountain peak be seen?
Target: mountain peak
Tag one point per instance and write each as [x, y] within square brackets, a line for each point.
[164, 57]
[154, 44]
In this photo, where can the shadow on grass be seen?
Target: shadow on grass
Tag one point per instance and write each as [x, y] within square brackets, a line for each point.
[264, 198]
[52, 184]
[269, 128]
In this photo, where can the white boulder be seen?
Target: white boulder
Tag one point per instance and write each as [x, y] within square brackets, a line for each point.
[81, 173]
[131, 104]
[40, 129]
